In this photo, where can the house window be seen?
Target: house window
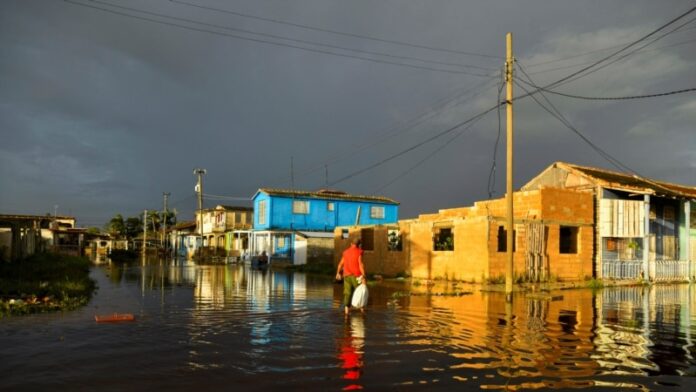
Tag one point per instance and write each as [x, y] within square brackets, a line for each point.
[345, 234]
[262, 212]
[368, 239]
[300, 207]
[330, 206]
[394, 240]
[568, 240]
[502, 239]
[281, 242]
[443, 239]
[376, 212]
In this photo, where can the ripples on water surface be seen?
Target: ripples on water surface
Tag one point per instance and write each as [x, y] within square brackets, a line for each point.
[230, 327]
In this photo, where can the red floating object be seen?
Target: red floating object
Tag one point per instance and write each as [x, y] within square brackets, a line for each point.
[114, 318]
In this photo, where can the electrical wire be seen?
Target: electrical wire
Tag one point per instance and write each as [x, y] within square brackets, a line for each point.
[535, 65]
[589, 62]
[440, 148]
[491, 174]
[629, 53]
[409, 149]
[589, 68]
[314, 50]
[307, 27]
[399, 129]
[559, 116]
[280, 37]
[629, 97]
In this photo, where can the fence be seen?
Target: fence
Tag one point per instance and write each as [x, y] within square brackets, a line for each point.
[669, 270]
[661, 270]
[614, 269]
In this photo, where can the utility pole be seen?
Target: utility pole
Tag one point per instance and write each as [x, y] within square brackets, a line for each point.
[164, 226]
[199, 190]
[145, 233]
[509, 196]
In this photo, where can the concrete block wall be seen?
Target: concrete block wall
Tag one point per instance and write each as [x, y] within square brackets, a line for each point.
[380, 260]
[567, 205]
[475, 256]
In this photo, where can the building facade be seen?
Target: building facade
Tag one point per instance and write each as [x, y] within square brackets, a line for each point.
[571, 223]
[644, 228]
[297, 226]
[552, 240]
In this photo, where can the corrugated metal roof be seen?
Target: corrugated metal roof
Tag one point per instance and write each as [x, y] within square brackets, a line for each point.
[326, 194]
[611, 179]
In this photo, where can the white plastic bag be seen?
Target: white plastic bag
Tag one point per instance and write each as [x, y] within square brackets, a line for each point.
[359, 299]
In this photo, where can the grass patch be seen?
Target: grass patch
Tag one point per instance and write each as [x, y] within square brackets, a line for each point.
[44, 282]
[595, 284]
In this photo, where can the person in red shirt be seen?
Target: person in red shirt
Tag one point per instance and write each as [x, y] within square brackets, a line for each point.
[353, 271]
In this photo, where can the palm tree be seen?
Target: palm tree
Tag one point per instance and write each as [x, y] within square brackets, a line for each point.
[116, 226]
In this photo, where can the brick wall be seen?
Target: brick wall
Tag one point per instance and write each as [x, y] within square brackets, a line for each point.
[475, 256]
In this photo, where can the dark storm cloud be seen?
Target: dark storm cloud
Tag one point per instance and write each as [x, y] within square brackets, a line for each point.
[100, 113]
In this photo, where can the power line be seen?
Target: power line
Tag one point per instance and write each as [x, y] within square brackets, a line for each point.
[428, 140]
[401, 128]
[491, 174]
[280, 37]
[663, 94]
[307, 27]
[631, 52]
[314, 50]
[534, 65]
[590, 62]
[559, 116]
[632, 44]
[440, 148]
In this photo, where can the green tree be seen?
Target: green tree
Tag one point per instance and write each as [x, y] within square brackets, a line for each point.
[116, 226]
[133, 227]
[94, 230]
[153, 220]
[170, 217]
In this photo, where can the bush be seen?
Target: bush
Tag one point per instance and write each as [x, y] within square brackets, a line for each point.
[45, 282]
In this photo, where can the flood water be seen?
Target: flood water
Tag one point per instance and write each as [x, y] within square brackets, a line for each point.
[232, 328]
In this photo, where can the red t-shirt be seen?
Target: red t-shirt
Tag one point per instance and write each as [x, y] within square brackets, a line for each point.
[351, 263]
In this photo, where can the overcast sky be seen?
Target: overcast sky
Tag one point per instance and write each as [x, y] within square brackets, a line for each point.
[100, 112]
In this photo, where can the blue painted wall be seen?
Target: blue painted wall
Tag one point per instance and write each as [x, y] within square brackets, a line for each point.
[280, 216]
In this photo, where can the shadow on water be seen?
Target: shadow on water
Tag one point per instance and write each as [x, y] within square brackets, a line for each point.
[212, 326]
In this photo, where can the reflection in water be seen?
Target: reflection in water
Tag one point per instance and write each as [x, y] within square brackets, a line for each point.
[212, 326]
[351, 351]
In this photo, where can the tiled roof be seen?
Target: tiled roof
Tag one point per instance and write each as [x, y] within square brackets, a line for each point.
[327, 194]
[610, 178]
[183, 225]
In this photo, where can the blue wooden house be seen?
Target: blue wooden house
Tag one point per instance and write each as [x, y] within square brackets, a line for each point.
[298, 225]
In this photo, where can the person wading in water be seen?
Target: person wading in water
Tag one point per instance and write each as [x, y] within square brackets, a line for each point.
[353, 272]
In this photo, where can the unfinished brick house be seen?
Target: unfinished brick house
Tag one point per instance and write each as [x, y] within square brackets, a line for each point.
[553, 238]
[571, 223]
[644, 228]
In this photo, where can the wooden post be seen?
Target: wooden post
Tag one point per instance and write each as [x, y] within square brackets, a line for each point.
[509, 195]
[687, 222]
[144, 233]
[646, 238]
